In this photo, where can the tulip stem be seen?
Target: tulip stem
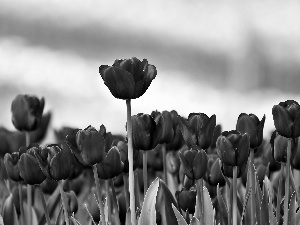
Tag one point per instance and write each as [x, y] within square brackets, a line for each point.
[287, 183]
[200, 199]
[145, 177]
[164, 151]
[102, 215]
[279, 193]
[29, 188]
[64, 201]
[252, 184]
[21, 204]
[125, 179]
[108, 200]
[130, 160]
[115, 202]
[234, 197]
[44, 205]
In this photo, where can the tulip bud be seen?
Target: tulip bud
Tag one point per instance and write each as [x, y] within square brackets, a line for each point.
[198, 129]
[111, 165]
[279, 145]
[215, 175]
[250, 124]
[123, 148]
[128, 78]
[187, 200]
[233, 148]
[194, 162]
[166, 126]
[11, 164]
[91, 145]
[286, 116]
[29, 167]
[145, 132]
[27, 112]
[56, 161]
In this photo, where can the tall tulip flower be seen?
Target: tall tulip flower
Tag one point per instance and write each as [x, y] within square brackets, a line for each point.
[198, 129]
[128, 79]
[286, 116]
[27, 112]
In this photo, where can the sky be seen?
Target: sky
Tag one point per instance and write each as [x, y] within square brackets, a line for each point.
[222, 58]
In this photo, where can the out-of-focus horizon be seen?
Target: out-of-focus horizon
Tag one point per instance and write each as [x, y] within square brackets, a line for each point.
[214, 57]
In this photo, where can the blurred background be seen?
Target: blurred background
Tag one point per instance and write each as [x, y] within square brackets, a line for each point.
[215, 57]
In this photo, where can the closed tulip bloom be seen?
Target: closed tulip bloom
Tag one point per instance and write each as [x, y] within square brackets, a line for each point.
[128, 78]
[279, 146]
[250, 124]
[111, 166]
[187, 200]
[56, 161]
[91, 145]
[215, 175]
[286, 116]
[27, 112]
[198, 129]
[146, 132]
[233, 148]
[194, 162]
[29, 167]
[11, 164]
[168, 132]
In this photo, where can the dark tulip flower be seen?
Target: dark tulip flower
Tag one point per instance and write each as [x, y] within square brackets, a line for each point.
[29, 167]
[146, 132]
[216, 134]
[56, 161]
[91, 145]
[186, 200]
[286, 116]
[11, 164]
[168, 132]
[214, 174]
[27, 112]
[111, 166]
[172, 162]
[233, 148]
[250, 124]
[194, 162]
[198, 129]
[128, 78]
[279, 146]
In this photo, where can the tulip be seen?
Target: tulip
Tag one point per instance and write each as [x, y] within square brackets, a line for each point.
[228, 170]
[27, 112]
[91, 145]
[145, 132]
[214, 174]
[250, 124]
[111, 165]
[194, 162]
[56, 161]
[29, 167]
[286, 116]
[187, 200]
[11, 164]
[233, 148]
[279, 146]
[128, 78]
[198, 129]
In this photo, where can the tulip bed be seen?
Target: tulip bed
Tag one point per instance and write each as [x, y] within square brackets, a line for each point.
[168, 169]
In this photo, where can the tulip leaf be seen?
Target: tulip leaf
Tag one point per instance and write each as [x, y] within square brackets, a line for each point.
[1, 220]
[208, 210]
[292, 210]
[148, 213]
[246, 205]
[9, 211]
[264, 209]
[180, 219]
[195, 221]
[222, 207]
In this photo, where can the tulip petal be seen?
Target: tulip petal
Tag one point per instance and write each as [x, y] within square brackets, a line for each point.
[206, 133]
[151, 74]
[120, 82]
[187, 134]
[187, 159]
[296, 126]
[200, 164]
[61, 165]
[93, 148]
[243, 150]
[102, 68]
[282, 121]
[247, 124]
